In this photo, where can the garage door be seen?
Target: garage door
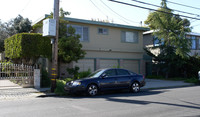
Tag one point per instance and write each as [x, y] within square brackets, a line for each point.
[85, 64]
[131, 65]
[108, 63]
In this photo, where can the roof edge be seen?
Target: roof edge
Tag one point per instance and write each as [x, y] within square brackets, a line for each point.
[96, 23]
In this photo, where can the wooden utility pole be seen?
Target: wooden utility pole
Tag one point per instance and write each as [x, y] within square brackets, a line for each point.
[54, 72]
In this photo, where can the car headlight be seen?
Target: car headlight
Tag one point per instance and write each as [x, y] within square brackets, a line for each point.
[76, 83]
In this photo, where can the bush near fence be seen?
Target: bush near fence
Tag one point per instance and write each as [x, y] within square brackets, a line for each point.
[27, 45]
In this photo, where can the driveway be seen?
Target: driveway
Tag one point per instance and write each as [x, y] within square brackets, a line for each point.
[154, 84]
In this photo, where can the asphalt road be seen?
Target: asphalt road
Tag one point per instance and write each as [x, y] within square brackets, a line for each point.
[176, 102]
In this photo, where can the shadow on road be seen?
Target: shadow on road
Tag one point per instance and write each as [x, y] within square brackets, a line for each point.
[121, 97]
[193, 106]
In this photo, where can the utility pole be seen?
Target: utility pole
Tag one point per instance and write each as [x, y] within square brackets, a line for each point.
[54, 69]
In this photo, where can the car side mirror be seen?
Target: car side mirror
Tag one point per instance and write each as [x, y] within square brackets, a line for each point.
[103, 75]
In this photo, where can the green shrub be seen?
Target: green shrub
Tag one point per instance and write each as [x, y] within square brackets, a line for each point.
[60, 87]
[45, 80]
[84, 74]
[68, 79]
[27, 46]
[74, 72]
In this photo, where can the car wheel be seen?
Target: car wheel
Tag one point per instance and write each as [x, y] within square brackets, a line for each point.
[135, 87]
[92, 90]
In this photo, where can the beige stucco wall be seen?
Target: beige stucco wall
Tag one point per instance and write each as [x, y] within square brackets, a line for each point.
[113, 54]
[112, 41]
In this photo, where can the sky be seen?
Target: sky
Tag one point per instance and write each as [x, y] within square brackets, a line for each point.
[95, 9]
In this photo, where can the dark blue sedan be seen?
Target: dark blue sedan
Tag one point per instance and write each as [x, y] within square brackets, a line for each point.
[107, 79]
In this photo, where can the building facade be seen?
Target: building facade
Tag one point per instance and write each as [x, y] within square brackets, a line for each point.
[108, 45]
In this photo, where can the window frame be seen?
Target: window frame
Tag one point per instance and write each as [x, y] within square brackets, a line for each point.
[124, 39]
[193, 39]
[103, 30]
[82, 39]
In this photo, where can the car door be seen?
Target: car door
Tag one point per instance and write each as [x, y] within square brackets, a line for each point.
[123, 79]
[108, 79]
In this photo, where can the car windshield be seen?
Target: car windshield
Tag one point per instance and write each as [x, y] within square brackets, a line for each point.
[96, 73]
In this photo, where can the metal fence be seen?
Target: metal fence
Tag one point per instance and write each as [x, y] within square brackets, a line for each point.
[20, 74]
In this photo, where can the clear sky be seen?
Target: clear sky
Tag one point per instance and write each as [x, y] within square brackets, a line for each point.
[94, 9]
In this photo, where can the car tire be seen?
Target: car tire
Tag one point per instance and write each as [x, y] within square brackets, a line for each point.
[135, 87]
[92, 90]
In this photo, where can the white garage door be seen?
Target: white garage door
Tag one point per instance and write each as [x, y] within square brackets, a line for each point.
[108, 63]
[85, 64]
[131, 65]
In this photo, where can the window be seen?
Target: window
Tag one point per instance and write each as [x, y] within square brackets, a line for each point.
[130, 37]
[110, 73]
[122, 72]
[199, 43]
[103, 31]
[193, 40]
[157, 42]
[82, 31]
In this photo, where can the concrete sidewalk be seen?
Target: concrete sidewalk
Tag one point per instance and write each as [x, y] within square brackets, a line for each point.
[10, 90]
[7, 84]
[154, 84]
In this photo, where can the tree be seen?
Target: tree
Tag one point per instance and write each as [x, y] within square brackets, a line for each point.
[170, 30]
[21, 24]
[70, 47]
[14, 26]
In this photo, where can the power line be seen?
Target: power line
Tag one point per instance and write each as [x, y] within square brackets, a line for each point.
[121, 19]
[183, 5]
[117, 13]
[26, 6]
[151, 9]
[98, 8]
[103, 12]
[171, 9]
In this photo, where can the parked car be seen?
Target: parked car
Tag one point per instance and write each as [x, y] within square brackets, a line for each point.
[106, 79]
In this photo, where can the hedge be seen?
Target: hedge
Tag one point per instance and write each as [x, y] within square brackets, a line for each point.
[27, 45]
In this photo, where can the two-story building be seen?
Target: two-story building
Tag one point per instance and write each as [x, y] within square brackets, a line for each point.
[151, 41]
[108, 45]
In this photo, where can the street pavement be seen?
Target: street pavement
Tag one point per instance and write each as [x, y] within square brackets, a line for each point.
[172, 102]
[9, 90]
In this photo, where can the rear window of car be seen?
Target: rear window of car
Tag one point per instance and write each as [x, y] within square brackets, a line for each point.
[121, 72]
